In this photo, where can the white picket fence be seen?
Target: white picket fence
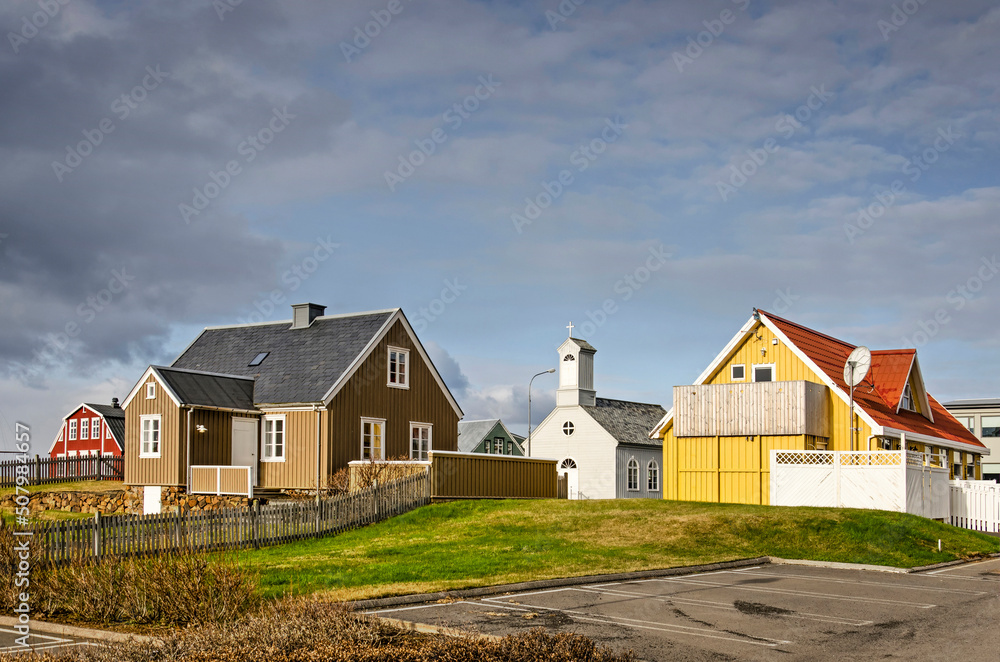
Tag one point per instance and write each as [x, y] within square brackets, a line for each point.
[900, 481]
[975, 504]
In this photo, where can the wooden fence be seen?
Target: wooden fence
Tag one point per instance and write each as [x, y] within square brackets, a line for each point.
[233, 528]
[975, 504]
[47, 470]
[481, 476]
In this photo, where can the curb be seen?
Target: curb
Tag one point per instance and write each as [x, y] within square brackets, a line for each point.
[839, 566]
[948, 564]
[74, 631]
[419, 598]
[423, 628]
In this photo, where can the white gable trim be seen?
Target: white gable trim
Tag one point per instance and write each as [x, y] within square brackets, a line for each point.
[151, 370]
[917, 375]
[370, 347]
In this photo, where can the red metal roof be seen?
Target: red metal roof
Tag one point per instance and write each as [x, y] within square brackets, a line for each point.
[879, 394]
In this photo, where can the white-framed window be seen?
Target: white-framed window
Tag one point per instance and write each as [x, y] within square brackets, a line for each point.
[107, 432]
[633, 475]
[498, 445]
[71, 453]
[107, 454]
[72, 430]
[568, 429]
[738, 372]
[372, 439]
[95, 428]
[653, 476]
[150, 390]
[991, 427]
[906, 401]
[568, 463]
[420, 441]
[399, 367]
[763, 372]
[84, 428]
[274, 438]
[149, 440]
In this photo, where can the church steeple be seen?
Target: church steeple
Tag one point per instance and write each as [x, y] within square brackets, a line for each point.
[576, 373]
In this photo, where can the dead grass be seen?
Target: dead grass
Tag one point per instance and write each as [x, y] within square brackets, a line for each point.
[301, 631]
[80, 486]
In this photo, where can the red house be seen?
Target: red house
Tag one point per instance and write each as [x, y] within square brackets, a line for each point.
[91, 430]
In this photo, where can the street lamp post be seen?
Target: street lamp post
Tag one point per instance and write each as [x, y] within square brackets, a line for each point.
[544, 372]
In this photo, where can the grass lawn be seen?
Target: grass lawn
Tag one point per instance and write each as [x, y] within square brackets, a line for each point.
[45, 516]
[79, 486]
[480, 543]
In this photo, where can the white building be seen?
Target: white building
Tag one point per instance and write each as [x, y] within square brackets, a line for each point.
[602, 445]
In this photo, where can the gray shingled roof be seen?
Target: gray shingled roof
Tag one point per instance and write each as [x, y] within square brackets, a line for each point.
[470, 433]
[115, 418]
[208, 389]
[302, 364]
[628, 422]
[583, 344]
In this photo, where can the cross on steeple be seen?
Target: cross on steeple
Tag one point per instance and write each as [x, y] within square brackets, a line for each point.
[570, 327]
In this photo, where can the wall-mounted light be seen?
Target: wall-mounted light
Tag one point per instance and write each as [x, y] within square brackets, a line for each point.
[763, 351]
[201, 428]
[774, 341]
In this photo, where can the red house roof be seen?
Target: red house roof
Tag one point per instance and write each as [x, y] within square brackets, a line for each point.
[881, 390]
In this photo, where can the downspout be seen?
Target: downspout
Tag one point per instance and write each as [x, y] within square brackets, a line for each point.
[319, 418]
[187, 457]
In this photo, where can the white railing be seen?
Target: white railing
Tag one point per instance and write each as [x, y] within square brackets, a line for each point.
[221, 480]
[975, 504]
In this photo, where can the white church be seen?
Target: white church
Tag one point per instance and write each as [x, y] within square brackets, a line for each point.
[602, 445]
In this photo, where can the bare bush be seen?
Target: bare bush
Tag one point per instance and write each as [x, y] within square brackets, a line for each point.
[301, 630]
[376, 471]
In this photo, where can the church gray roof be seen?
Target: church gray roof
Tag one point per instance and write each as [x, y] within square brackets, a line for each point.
[628, 422]
[301, 364]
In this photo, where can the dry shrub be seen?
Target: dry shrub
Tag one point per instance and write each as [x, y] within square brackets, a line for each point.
[372, 471]
[299, 630]
[178, 589]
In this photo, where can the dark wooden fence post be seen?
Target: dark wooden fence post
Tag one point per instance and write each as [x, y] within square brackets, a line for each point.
[38, 471]
[256, 523]
[97, 535]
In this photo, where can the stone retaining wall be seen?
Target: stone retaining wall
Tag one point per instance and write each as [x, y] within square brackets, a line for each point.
[124, 501]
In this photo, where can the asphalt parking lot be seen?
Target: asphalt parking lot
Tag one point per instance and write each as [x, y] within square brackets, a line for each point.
[38, 641]
[760, 613]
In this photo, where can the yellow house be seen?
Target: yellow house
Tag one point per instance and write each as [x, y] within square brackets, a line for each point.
[779, 385]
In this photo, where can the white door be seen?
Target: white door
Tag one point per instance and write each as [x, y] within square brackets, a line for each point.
[569, 469]
[245, 444]
[151, 500]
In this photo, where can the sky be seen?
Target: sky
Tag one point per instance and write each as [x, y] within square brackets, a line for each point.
[650, 171]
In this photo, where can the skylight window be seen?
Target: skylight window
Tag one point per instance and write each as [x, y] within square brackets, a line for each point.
[257, 360]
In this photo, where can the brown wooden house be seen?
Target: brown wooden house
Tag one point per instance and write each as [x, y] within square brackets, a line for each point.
[251, 407]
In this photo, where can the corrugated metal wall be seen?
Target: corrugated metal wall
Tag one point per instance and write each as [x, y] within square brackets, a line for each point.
[367, 395]
[643, 456]
[492, 477]
[168, 468]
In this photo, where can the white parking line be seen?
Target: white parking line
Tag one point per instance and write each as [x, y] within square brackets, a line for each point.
[788, 591]
[640, 624]
[725, 606]
[861, 582]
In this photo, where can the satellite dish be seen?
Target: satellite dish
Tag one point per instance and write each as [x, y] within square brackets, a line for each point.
[857, 366]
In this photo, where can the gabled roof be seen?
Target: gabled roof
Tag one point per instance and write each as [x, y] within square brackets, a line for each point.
[208, 389]
[113, 416]
[472, 433]
[301, 365]
[627, 422]
[973, 403]
[877, 397]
